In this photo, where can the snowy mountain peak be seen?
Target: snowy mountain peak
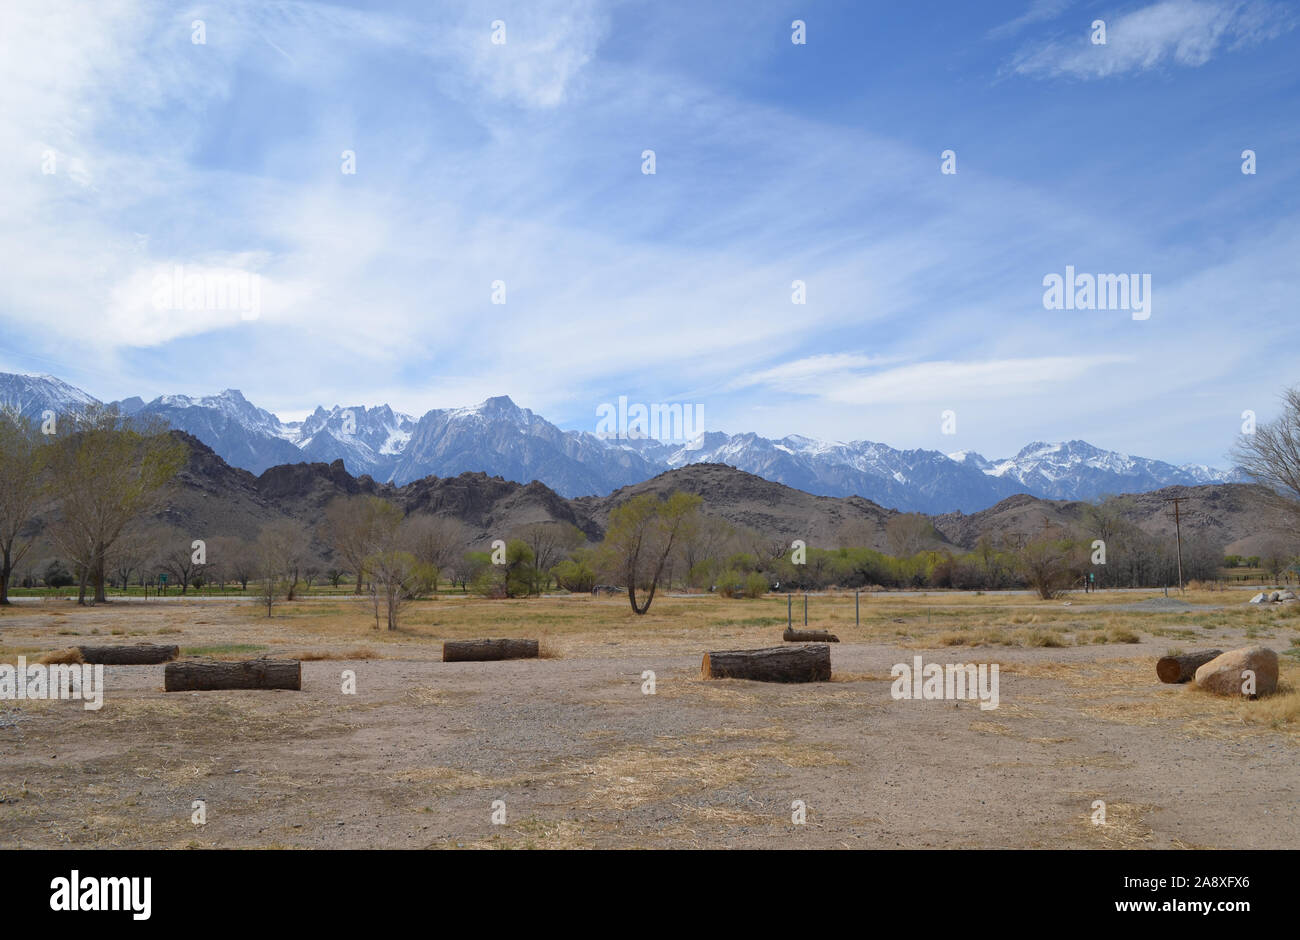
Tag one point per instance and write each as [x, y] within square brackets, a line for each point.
[499, 437]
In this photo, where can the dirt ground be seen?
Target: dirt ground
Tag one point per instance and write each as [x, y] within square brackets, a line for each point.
[582, 757]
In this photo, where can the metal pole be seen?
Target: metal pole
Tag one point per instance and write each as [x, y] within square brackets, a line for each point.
[789, 607]
[805, 610]
[857, 610]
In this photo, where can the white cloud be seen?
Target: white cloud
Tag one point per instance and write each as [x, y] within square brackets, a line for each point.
[1180, 32]
[1039, 11]
[841, 379]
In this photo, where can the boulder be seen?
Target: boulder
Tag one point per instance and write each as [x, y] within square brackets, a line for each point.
[1259, 598]
[1286, 596]
[1223, 674]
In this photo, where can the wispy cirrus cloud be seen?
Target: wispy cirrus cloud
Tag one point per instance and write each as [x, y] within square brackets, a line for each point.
[522, 162]
[851, 380]
[1039, 11]
[1187, 33]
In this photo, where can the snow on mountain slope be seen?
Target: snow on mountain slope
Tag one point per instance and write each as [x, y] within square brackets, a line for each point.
[498, 437]
[32, 395]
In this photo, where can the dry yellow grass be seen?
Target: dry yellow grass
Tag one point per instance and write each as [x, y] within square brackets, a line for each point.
[580, 625]
[689, 787]
[61, 657]
[1124, 826]
[360, 652]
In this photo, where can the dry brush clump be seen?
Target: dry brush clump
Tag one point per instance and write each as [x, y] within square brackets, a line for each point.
[360, 652]
[64, 657]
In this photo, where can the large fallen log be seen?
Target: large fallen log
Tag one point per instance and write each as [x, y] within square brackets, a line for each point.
[809, 636]
[466, 651]
[775, 664]
[142, 654]
[193, 676]
[1174, 669]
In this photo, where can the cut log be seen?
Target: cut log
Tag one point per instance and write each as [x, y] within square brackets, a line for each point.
[775, 664]
[142, 654]
[809, 636]
[1175, 669]
[192, 676]
[473, 651]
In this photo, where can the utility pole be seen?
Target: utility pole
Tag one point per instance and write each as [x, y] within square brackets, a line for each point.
[1178, 501]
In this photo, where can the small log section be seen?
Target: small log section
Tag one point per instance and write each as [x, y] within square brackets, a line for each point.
[809, 636]
[1182, 668]
[143, 654]
[774, 664]
[247, 674]
[475, 651]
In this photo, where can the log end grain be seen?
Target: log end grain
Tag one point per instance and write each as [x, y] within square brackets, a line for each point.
[1176, 669]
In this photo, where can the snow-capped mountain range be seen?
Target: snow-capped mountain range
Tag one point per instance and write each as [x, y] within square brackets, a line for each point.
[500, 438]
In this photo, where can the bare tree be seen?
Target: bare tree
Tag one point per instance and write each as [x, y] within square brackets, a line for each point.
[397, 575]
[351, 528]
[550, 543]
[234, 558]
[1271, 455]
[293, 541]
[436, 541]
[1050, 565]
[703, 544]
[909, 533]
[1275, 557]
[398, 578]
[130, 555]
[177, 556]
[20, 492]
[106, 470]
[278, 553]
[312, 569]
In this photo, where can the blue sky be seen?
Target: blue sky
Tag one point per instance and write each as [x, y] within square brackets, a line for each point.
[521, 162]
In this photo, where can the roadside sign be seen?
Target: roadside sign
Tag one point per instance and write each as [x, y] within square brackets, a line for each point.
[162, 579]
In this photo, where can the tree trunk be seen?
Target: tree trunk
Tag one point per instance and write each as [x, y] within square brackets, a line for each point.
[97, 575]
[463, 651]
[775, 664]
[248, 674]
[1174, 669]
[809, 636]
[6, 572]
[142, 654]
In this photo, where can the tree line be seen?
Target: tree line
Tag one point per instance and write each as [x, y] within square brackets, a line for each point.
[89, 492]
